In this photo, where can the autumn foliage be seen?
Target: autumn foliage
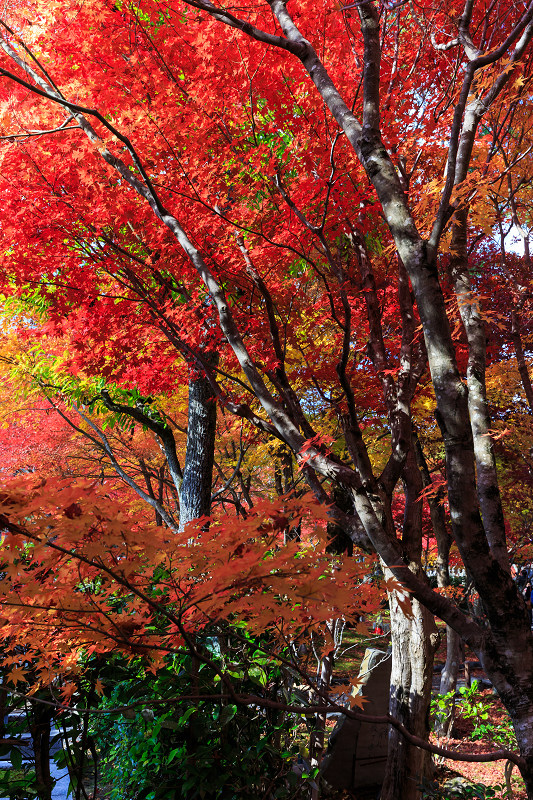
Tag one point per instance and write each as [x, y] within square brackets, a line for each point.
[83, 577]
[310, 213]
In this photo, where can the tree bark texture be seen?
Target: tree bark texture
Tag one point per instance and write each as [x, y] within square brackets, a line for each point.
[471, 316]
[520, 356]
[414, 640]
[40, 734]
[448, 679]
[413, 647]
[195, 492]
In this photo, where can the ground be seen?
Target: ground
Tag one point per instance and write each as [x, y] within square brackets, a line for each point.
[490, 773]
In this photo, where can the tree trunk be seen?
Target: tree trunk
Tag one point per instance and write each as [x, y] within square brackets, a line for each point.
[413, 647]
[195, 493]
[414, 640]
[40, 734]
[522, 718]
[454, 657]
[520, 357]
[448, 680]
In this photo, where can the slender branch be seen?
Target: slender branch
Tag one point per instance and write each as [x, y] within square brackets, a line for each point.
[40, 133]
[264, 702]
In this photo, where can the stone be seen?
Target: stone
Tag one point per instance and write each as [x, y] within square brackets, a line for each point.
[357, 751]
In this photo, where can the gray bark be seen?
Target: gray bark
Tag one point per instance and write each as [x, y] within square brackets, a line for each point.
[414, 640]
[444, 540]
[448, 679]
[413, 647]
[471, 316]
[195, 493]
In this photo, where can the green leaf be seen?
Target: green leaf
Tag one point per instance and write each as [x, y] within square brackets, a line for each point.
[227, 714]
[257, 675]
[16, 758]
[190, 711]
[173, 753]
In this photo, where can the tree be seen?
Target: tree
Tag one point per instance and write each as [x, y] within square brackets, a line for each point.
[83, 583]
[331, 213]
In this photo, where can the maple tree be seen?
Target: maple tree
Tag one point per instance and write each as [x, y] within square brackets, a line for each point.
[80, 579]
[290, 205]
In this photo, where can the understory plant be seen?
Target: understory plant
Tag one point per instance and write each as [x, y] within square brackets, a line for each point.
[197, 748]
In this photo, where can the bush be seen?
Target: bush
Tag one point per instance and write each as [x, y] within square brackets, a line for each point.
[209, 749]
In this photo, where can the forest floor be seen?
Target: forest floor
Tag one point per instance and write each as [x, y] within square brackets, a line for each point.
[490, 773]
[463, 739]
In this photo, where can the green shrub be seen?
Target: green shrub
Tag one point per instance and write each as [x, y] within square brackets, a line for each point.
[205, 749]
